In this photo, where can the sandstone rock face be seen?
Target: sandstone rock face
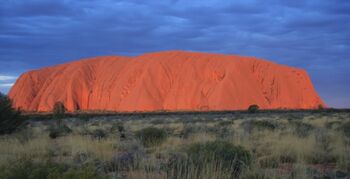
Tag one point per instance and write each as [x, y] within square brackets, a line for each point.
[170, 81]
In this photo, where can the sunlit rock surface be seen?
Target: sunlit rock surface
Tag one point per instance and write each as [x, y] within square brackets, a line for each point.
[170, 81]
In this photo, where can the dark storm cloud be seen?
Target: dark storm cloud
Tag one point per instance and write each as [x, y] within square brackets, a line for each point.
[313, 35]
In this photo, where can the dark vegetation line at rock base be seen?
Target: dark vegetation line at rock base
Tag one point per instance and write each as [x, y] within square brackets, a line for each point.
[90, 114]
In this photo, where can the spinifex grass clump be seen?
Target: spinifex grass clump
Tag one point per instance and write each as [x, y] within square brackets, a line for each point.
[118, 127]
[333, 124]
[302, 129]
[258, 125]
[151, 136]
[99, 134]
[226, 157]
[28, 169]
[345, 128]
[324, 148]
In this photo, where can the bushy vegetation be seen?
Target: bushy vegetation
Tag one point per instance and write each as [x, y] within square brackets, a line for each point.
[250, 125]
[333, 124]
[301, 129]
[243, 145]
[58, 130]
[253, 108]
[323, 154]
[10, 118]
[151, 136]
[99, 134]
[224, 155]
[345, 128]
[28, 169]
[118, 127]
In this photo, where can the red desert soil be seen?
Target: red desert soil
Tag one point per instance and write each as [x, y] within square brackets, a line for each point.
[171, 81]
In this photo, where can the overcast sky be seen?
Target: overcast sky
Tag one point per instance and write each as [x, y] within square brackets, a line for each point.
[313, 35]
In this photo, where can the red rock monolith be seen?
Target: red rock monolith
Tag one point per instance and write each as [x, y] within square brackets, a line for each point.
[170, 81]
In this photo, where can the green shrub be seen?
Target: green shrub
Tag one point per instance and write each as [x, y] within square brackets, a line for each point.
[99, 134]
[319, 157]
[265, 125]
[124, 162]
[87, 172]
[28, 169]
[178, 166]
[345, 128]
[226, 123]
[118, 127]
[249, 125]
[333, 124]
[253, 108]
[10, 118]
[288, 157]
[189, 129]
[151, 136]
[223, 154]
[268, 162]
[302, 129]
[58, 131]
[224, 132]
[323, 149]
[81, 157]
[24, 135]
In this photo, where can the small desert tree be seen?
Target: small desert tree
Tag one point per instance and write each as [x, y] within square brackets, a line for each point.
[58, 110]
[320, 107]
[60, 129]
[10, 118]
[253, 108]
[151, 136]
